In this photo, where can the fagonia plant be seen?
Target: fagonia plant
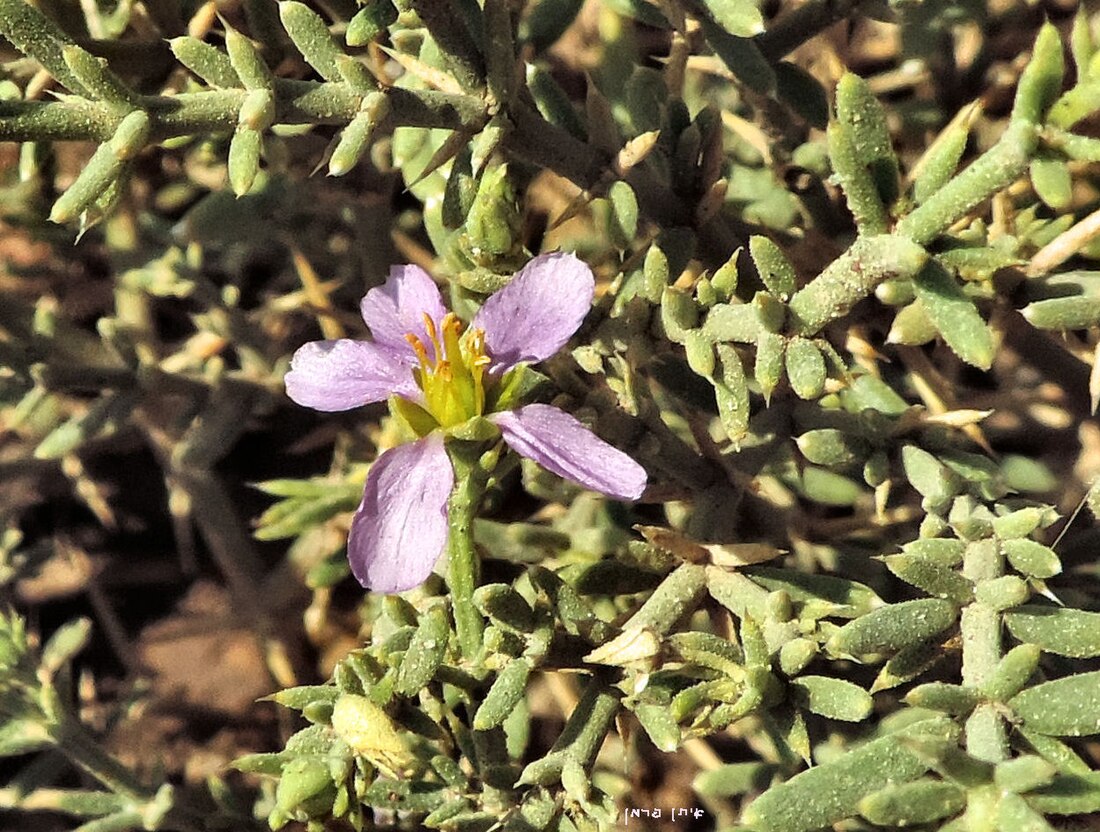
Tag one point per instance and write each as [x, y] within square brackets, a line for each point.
[706, 389]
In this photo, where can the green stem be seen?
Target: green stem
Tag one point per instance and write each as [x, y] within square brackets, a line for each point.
[994, 170]
[589, 723]
[582, 736]
[986, 738]
[871, 260]
[217, 111]
[677, 594]
[851, 277]
[463, 565]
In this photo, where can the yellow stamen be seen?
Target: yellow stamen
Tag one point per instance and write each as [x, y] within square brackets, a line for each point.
[453, 385]
[429, 327]
[420, 350]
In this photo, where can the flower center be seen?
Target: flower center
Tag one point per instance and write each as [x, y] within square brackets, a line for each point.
[454, 391]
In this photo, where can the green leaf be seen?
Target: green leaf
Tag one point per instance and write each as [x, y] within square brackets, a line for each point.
[424, 654]
[894, 627]
[623, 223]
[940, 161]
[830, 488]
[305, 695]
[1022, 522]
[847, 599]
[1065, 632]
[1068, 794]
[506, 692]
[908, 804]
[1003, 593]
[244, 159]
[731, 393]
[22, 736]
[954, 316]
[940, 696]
[805, 368]
[832, 698]
[373, 18]
[708, 650]
[738, 17]
[302, 778]
[1032, 558]
[733, 322]
[1023, 774]
[210, 64]
[1063, 313]
[734, 779]
[832, 791]
[1075, 105]
[775, 269]
[1014, 814]
[1068, 707]
[553, 103]
[941, 550]
[1041, 80]
[699, 351]
[911, 326]
[930, 477]
[104, 168]
[247, 61]
[679, 314]
[906, 665]
[310, 34]
[803, 93]
[505, 606]
[863, 114]
[355, 139]
[1051, 180]
[796, 654]
[769, 362]
[934, 578]
[547, 21]
[641, 11]
[860, 190]
[742, 57]
[1012, 672]
[831, 447]
[659, 725]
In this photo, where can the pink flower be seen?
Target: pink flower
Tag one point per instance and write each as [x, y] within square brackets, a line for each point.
[443, 374]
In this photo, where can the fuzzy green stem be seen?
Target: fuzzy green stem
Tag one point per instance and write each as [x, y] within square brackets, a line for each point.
[463, 565]
[218, 111]
[589, 723]
[871, 260]
[986, 738]
[994, 170]
[672, 600]
[851, 277]
[582, 736]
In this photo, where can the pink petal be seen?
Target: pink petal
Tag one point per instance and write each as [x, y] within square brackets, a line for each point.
[340, 375]
[400, 528]
[562, 445]
[532, 317]
[397, 308]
